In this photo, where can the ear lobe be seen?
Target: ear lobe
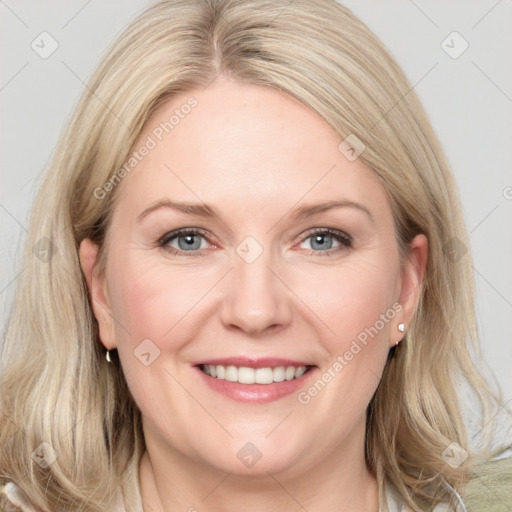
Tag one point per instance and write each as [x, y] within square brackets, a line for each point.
[412, 276]
[96, 285]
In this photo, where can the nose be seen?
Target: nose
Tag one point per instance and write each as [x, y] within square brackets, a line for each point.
[255, 299]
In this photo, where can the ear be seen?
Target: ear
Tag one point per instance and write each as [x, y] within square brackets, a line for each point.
[96, 283]
[412, 275]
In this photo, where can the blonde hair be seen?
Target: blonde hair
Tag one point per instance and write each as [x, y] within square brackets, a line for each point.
[56, 386]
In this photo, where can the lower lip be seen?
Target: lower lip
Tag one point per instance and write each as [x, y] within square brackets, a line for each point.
[256, 393]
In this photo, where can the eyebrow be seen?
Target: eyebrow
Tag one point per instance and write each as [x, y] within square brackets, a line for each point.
[206, 210]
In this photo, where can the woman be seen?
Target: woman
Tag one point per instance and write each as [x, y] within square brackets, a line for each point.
[253, 297]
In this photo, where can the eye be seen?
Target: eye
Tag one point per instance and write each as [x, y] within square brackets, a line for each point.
[183, 240]
[190, 241]
[321, 241]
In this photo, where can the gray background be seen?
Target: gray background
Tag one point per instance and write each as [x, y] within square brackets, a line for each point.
[468, 99]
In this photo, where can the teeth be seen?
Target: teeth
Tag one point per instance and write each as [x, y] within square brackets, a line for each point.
[300, 371]
[279, 374]
[231, 374]
[263, 375]
[245, 375]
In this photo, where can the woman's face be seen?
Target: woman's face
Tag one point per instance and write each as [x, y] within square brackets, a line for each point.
[253, 281]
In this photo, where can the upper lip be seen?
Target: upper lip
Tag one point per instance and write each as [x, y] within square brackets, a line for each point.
[249, 362]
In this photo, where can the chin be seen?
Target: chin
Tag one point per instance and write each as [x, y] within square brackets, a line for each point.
[257, 456]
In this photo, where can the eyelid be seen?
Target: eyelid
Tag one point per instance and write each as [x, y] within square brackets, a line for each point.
[170, 235]
[330, 231]
[341, 236]
[164, 240]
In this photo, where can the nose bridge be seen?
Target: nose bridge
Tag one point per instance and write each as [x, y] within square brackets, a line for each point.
[255, 298]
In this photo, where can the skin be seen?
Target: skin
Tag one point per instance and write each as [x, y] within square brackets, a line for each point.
[254, 154]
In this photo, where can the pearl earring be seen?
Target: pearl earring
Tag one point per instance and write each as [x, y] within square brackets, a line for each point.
[107, 355]
[401, 328]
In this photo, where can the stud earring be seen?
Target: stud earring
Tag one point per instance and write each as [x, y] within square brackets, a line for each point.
[107, 356]
[401, 328]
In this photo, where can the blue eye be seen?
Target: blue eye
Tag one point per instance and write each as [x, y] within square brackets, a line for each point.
[190, 241]
[321, 241]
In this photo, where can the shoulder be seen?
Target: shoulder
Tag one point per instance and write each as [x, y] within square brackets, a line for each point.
[490, 488]
[12, 499]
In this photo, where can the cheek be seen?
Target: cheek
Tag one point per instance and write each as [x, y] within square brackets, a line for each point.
[157, 301]
[152, 300]
[357, 303]
[352, 298]
[155, 317]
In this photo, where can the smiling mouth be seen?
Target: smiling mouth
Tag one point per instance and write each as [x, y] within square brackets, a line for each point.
[246, 375]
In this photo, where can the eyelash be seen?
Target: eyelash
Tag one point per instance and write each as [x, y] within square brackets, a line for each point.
[344, 239]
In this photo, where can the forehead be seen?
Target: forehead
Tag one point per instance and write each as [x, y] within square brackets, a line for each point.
[243, 145]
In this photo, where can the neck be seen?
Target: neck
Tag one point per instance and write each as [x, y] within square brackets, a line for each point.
[172, 482]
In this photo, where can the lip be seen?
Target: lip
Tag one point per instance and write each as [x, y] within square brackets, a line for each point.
[248, 362]
[256, 393]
